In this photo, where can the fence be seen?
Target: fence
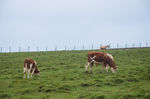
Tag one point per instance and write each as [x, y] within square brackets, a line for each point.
[74, 47]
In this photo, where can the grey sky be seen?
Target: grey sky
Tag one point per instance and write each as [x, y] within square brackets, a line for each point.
[73, 22]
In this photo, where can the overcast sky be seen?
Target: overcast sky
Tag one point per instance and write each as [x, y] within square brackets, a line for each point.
[73, 22]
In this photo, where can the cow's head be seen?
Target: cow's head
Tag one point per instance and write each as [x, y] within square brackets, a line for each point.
[114, 69]
[37, 72]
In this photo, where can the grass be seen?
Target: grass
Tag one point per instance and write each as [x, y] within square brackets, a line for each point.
[63, 76]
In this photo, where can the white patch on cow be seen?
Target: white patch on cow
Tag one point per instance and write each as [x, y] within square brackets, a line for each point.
[110, 56]
[93, 58]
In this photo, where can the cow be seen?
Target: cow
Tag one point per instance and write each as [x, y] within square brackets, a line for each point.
[101, 58]
[30, 67]
[104, 47]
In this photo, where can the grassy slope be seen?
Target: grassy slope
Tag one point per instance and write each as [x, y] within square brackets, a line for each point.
[63, 77]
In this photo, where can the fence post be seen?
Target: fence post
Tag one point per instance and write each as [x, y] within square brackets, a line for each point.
[55, 48]
[46, 48]
[28, 48]
[140, 45]
[10, 49]
[126, 45]
[146, 44]
[37, 48]
[65, 48]
[117, 45]
[74, 47]
[133, 45]
[1, 49]
[19, 49]
[92, 46]
[83, 47]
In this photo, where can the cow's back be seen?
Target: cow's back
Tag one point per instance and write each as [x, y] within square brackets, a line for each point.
[98, 58]
[28, 61]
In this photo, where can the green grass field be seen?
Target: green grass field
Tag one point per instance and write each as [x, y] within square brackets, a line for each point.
[63, 76]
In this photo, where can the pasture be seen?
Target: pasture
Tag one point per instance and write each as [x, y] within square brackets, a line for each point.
[63, 76]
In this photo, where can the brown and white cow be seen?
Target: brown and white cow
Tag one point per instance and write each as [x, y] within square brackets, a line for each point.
[104, 47]
[30, 67]
[101, 58]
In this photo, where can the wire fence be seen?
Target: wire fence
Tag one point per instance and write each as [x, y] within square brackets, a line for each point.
[74, 47]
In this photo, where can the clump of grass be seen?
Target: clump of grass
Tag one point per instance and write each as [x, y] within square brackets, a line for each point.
[5, 95]
[97, 97]
[118, 81]
[46, 89]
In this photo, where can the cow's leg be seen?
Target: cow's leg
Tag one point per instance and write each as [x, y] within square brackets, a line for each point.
[32, 72]
[91, 65]
[96, 64]
[25, 70]
[86, 66]
[107, 68]
[29, 70]
[103, 66]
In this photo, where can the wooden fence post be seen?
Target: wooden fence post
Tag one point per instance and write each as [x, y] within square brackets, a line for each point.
[55, 48]
[19, 49]
[140, 45]
[37, 48]
[83, 47]
[74, 47]
[126, 45]
[28, 48]
[10, 49]
[146, 44]
[46, 48]
[92, 47]
[117, 45]
[65, 47]
[1, 49]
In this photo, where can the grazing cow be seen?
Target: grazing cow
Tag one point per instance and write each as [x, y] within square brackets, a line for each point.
[104, 47]
[30, 67]
[101, 58]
